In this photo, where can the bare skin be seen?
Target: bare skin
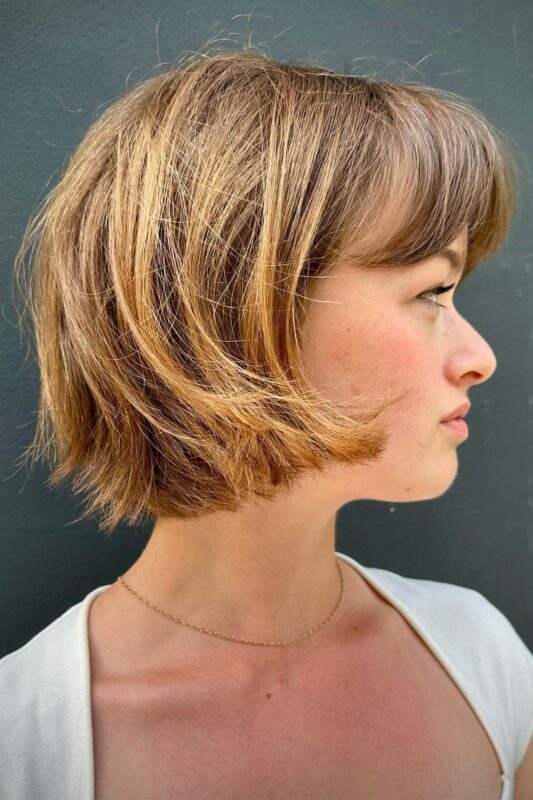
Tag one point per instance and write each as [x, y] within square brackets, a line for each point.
[366, 712]
[363, 703]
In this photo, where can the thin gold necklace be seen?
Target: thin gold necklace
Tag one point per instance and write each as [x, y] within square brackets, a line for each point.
[238, 638]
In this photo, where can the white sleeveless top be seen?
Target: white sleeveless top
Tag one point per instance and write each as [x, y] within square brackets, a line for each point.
[46, 750]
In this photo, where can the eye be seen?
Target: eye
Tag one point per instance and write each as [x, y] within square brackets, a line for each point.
[435, 291]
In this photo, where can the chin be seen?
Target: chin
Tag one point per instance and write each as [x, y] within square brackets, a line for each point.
[429, 487]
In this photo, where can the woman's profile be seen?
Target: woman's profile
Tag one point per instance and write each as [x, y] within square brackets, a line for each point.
[243, 301]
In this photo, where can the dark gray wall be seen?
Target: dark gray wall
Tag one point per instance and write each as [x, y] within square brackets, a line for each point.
[61, 60]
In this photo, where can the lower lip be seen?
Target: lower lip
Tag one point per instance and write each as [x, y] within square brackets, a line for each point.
[457, 425]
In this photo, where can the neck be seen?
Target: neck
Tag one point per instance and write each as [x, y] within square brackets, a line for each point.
[254, 586]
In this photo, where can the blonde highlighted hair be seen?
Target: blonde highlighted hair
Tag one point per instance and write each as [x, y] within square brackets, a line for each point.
[174, 258]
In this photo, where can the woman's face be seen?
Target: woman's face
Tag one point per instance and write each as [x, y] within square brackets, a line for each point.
[370, 331]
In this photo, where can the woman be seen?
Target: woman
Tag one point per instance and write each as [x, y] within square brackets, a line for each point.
[244, 310]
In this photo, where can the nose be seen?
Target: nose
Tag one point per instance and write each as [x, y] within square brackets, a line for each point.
[473, 360]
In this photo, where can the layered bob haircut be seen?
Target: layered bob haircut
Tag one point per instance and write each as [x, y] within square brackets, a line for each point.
[174, 260]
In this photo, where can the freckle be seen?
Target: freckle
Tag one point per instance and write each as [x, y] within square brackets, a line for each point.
[268, 695]
[340, 355]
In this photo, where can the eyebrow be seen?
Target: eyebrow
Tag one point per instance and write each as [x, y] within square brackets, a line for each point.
[456, 260]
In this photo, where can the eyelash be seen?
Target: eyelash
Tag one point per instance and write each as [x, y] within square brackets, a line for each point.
[437, 290]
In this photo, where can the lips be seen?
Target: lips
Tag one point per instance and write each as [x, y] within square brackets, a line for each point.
[461, 411]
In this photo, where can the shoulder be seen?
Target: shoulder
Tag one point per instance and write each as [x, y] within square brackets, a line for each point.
[45, 708]
[480, 645]
[38, 677]
[454, 607]
[466, 618]
[51, 653]
[48, 642]
[47, 673]
[38, 683]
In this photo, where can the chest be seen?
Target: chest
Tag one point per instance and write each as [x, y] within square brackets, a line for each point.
[379, 720]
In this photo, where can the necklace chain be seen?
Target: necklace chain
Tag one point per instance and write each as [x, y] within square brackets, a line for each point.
[238, 638]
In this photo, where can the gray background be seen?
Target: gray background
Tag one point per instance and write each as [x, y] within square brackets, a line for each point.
[61, 61]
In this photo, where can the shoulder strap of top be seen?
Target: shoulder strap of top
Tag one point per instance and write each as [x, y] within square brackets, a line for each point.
[45, 733]
[482, 651]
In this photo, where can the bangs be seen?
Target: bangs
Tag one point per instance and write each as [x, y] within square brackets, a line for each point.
[439, 166]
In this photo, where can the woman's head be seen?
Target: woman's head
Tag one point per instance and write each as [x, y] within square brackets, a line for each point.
[179, 258]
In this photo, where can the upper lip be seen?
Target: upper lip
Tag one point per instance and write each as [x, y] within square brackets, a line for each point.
[460, 411]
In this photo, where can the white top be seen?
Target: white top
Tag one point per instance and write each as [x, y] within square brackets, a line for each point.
[45, 702]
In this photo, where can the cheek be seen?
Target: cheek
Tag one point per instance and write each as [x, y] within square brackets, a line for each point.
[344, 359]
[385, 356]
